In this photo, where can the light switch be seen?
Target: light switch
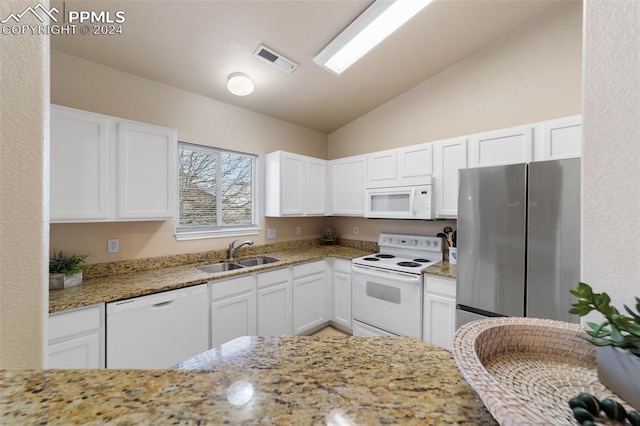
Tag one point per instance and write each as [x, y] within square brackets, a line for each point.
[299, 230]
[271, 232]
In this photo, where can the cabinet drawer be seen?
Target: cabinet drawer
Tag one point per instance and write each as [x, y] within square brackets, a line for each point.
[232, 287]
[439, 285]
[308, 269]
[341, 265]
[278, 276]
[70, 323]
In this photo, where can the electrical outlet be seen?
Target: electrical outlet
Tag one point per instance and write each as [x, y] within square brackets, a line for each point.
[271, 232]
[299, 230]
[113, 245]
[356, 230]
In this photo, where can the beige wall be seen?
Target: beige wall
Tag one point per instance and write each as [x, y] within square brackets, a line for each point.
[532, 74]
[81, 84]
[611, 155]
[24, 169]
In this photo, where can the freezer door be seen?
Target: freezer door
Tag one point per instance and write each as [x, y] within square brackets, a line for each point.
[491, 239]
[553, 255]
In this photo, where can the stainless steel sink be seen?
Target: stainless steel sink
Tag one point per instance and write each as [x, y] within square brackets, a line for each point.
[220, 267]
[264, 260]
[216, 268]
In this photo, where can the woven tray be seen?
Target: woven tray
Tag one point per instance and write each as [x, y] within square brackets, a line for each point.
[525, 370]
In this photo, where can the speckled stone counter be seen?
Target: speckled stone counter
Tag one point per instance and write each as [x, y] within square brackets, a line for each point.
[123, 286]
[442, 269]
[251, 380]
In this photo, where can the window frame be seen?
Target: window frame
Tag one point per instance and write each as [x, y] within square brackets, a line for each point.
[197, 232]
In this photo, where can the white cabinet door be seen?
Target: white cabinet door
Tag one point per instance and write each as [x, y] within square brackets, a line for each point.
[450, 155]
[77, 338]
[275, 304]
[342, 294]
[233, 309]
[415, 163]
[348, 177]
[316, 187]
[310, 297]
[559, 139]
[504, 146]
[79, 166]
[146, 171]
[439, 311]
[293, 184]
[78, 352]
[382, 168]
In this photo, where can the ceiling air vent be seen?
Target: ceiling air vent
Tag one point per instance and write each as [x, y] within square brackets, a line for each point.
[277, 60]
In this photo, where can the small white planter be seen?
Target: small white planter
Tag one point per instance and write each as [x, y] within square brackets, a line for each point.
[61, 281]
[619, 370]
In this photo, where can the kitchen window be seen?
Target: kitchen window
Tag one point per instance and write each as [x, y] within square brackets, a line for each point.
[216, 193]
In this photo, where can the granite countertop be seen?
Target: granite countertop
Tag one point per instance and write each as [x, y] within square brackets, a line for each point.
[442, 269]
[284, 380]
[123, 286]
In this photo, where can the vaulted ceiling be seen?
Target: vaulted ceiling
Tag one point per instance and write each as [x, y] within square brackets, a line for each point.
[195, 45]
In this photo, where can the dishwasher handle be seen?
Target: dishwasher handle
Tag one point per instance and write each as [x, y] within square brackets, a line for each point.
[155, 300]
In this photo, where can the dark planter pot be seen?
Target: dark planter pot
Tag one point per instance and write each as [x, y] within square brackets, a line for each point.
[619, 370]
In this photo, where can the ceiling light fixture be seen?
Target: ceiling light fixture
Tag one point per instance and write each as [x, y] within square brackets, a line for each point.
[374, 24]
[240, 84]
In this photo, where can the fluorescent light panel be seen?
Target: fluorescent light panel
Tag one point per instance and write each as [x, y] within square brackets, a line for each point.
[378, 21]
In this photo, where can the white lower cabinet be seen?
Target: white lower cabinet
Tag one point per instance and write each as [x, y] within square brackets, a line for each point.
[439, 310]
[77, 339]
[310, 297]
[233, 309]
[275, 304]
[342, 294]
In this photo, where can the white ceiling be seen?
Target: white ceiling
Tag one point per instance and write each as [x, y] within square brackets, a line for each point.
[195, 45]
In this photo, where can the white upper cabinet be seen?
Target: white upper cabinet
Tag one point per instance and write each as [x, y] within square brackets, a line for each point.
[348, 178]
[316, 186]
[499, 147]
[415, 163]
[108, 169]
[409, 165]
[449, 156]
[295, 185]
[79, 166]
[146, 171]
[558, 139]
[382, 168]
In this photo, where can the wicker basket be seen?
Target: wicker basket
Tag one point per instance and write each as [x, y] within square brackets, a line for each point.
[525, 370]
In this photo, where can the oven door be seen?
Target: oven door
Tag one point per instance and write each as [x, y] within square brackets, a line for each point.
[389, 300]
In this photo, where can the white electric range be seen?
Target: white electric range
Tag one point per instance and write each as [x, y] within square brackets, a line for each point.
[387, 286]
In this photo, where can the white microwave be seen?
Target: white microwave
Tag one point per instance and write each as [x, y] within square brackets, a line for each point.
[400, 202]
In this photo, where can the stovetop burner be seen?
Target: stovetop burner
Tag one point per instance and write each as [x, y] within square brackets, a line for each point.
[385, 256]
[421, 260]
[409, 264]
[371, 259]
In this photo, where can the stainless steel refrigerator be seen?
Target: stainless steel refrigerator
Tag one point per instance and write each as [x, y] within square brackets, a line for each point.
[518, 240]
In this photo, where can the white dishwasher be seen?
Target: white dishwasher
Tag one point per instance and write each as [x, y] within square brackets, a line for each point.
[159, 330]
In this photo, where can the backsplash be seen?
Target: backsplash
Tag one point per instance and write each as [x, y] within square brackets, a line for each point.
[138, 265]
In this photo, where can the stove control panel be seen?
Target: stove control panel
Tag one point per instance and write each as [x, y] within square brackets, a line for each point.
[419, 242]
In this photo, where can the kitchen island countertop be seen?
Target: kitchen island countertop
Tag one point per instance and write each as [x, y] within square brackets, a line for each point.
[284, 380]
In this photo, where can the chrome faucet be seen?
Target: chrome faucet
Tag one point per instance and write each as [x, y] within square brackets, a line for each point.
[233, 249]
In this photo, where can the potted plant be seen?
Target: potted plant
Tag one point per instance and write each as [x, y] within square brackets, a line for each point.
[328, 235]
[617, 340]
[65, 271]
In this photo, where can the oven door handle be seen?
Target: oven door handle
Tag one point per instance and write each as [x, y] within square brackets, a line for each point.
[391, 275]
